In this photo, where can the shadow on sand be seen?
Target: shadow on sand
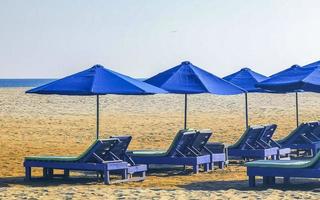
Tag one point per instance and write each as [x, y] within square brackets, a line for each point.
[296, 185]
[241, 185]
[82, 179]
[42, 182]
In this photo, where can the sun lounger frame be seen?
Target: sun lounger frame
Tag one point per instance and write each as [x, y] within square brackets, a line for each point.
[269, 174]
[85, 163]
[300, 140]
[247, 146]
[177, 154]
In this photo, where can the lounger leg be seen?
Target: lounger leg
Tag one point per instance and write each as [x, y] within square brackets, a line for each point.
[99, 175]
[106, 177]
[221, 165]
[211, 166]
[286, 180]
[50, 173]
[28, 173]
[227, 156]
[252, 181]
[195, 169]
[66, 173]
[206, 167]
[125, 174]
[272, 180]
[143, 174]
[184, 167]
[45, 172]
[266, 180]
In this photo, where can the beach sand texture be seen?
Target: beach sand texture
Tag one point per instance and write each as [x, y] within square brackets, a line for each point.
[65, 125]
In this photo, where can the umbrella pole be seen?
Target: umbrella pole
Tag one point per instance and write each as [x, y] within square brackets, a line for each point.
[297, 109]
[246, 109]
[185, 110]
[97, 116]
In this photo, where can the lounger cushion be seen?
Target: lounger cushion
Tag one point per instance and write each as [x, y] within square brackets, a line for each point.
[285, 163]
[61, 158]
[52, 158]
[142, 153]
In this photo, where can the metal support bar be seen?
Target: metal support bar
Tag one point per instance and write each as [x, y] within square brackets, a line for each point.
[97, 116]
[297, 110]
[246, 110]
[185, 110]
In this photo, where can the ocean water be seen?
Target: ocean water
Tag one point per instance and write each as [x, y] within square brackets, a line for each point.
[29, 82]
[23, 82]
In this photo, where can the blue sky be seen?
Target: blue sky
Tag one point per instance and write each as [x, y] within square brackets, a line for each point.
[54, 38]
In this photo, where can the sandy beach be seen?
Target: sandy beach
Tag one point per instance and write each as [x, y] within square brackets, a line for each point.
[65, 125]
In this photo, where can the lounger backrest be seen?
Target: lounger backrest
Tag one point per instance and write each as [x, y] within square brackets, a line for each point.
[250, 135]
[252, 139]
[99, 151]
[303, 136]
[201, 139]
[314, 132]
[174, 141]
[120, 151]
[291, 138]
[266, 135]
[180, 146]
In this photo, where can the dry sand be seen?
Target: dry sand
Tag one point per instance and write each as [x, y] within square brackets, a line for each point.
[64, 125]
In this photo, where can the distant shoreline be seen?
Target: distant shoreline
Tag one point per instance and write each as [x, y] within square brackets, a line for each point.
[29, 82]
[24, 82]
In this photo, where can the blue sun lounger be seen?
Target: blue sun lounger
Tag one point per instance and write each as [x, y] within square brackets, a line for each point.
[301, 139]
[266, 140]
[248, 147]
[179, 153]
[96, 158]
[269, 169]
[199, 147]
